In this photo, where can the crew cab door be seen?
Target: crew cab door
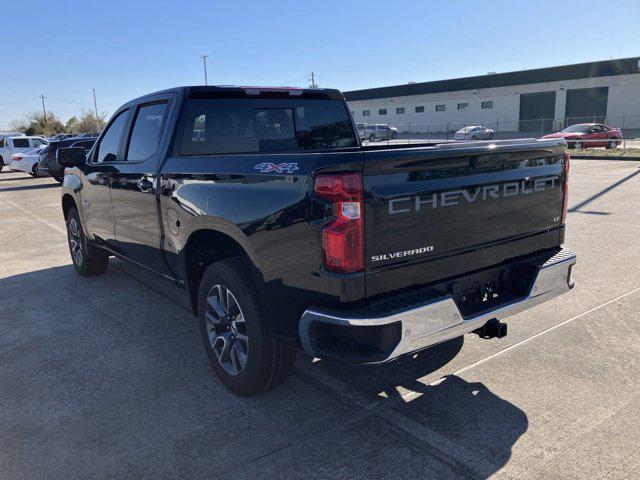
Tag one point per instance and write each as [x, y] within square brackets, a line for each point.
[97, 211]
[134, 185]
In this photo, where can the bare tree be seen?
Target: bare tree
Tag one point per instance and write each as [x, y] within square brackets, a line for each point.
[87, 122]
[38, 124]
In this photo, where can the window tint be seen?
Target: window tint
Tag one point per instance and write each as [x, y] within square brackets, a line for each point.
[400, 110]
[146, 131]
[440, 108]
[420, 109]
[108, 148]
[463, 106]
[214, 126]
[488, 104]
[366, 113]
[382, 111]
[20, 142]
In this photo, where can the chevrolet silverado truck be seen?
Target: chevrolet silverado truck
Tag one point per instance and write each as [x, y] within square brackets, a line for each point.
[285, 232]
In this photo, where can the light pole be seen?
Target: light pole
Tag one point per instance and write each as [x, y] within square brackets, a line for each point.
[95, 106]
[44, 116]
[204, 61]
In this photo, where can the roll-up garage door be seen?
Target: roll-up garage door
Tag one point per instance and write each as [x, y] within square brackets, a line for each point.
[537, 111]
[586, 105]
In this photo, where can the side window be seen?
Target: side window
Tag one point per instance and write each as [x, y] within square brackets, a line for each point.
[37, 142]
[145, 135]
[20, 143]
[108, 148]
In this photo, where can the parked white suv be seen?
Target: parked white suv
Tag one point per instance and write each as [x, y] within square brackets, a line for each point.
[16, 144]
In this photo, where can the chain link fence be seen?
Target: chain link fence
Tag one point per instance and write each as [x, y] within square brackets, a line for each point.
[629, 124]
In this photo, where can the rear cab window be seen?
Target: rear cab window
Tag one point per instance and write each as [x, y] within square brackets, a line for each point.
[222, 126]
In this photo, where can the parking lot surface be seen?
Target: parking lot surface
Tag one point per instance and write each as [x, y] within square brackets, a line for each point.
[106, 377]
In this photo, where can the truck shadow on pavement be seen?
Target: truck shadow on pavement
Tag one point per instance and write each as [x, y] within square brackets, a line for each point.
[106, 378]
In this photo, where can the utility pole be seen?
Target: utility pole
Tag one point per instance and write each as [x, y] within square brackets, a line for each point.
[312, 81]
[44, 112]
[204, 61]
[95, 106]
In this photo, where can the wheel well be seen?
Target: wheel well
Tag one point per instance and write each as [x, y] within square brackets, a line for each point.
[205, 247]
[67, 204]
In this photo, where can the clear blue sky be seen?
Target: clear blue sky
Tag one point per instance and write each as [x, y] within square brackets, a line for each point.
[127, 48]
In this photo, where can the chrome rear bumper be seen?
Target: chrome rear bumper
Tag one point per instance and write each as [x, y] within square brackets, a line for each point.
[440, 319]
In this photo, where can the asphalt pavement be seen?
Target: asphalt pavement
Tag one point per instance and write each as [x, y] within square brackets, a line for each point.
[106, 377]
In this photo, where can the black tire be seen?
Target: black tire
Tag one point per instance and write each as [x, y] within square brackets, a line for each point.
[1, 164]
[267, 362]
[473, 137]
[577, 145]
[491, 135]
[394, 135]
[59, 179]
[34, 170]
[87, 260]
[612, 145]
[372, 138]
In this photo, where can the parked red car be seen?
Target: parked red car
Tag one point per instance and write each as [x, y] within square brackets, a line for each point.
[589, 135]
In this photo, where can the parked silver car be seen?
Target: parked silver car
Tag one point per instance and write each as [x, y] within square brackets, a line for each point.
[380, 131]
[474, 132]
[362, 129]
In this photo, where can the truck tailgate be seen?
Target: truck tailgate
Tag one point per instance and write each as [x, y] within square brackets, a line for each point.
[433, 213]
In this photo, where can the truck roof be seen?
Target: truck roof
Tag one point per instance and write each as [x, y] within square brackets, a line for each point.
[213, 91]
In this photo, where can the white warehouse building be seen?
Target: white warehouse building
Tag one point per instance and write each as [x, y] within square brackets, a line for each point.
[536, 101]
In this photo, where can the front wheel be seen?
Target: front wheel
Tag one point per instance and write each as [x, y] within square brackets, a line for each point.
[394, 135]
[612, 145]
[577, 145]
[87, 260]
[372, 137]
[242, 353]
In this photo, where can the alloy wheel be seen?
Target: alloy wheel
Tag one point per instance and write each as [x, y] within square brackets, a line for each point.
[227, 329]
[75, 242]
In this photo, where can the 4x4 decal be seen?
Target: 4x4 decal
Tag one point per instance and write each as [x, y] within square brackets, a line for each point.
[279, 168]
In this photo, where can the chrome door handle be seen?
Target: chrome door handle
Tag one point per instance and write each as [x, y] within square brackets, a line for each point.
[145, 185]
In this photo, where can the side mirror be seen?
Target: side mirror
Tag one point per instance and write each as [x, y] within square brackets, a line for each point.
[71, 157]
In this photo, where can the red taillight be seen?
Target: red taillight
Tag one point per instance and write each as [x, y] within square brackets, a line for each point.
[343, 238]
[565, 200]
[17, 158]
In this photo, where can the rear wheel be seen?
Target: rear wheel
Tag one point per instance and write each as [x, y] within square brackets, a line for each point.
[394, 135]
[34, 170]
[242, 353]
[1, 163]
[87, 260]
[577, 145]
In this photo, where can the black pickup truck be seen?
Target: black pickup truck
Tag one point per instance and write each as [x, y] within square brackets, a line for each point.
[285, 232]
